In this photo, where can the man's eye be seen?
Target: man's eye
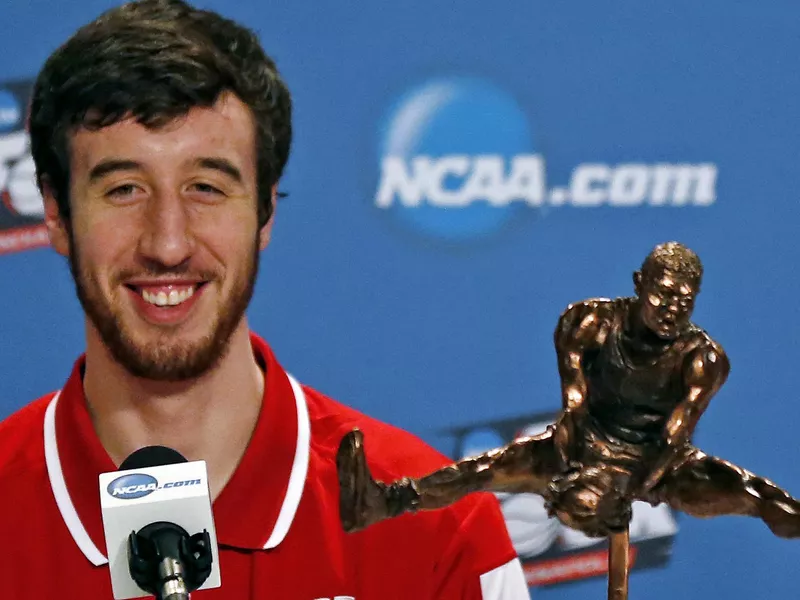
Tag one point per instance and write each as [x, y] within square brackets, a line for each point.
[122, 191]
[205, 188]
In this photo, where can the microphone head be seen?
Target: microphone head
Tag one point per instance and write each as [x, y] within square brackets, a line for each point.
[152, 456]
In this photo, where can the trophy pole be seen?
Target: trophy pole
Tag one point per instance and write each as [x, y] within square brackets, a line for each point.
[618, 564]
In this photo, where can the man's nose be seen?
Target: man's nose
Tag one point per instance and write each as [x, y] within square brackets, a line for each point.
[167, 237]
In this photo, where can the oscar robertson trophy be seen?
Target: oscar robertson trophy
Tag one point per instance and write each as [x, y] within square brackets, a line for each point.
[636, 375]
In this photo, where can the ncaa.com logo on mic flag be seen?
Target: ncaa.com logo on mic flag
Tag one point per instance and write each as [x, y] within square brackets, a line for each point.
[138, 485]
[21, 209]
[458, 160]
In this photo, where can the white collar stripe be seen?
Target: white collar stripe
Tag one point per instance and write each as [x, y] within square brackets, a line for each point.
[60, 492]
[297, 479]
[294, 491]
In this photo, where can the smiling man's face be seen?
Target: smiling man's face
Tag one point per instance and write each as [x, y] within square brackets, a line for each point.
[163, 237]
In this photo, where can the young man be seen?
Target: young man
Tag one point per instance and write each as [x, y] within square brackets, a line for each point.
[159, 134]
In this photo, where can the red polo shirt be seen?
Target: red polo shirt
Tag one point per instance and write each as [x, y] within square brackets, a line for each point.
[277, 520]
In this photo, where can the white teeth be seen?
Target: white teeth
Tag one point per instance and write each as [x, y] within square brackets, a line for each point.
[173, 298]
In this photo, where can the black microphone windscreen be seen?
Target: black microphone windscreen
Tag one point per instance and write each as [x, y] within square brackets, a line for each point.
[152, 456]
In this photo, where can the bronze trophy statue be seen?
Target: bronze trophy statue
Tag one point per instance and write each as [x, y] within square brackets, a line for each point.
[636, 375]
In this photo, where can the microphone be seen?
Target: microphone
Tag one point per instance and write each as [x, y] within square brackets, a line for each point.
[159, 526]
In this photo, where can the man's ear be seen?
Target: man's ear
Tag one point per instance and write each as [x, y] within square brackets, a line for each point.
[265, 235]
[56, 226]
[637, 282]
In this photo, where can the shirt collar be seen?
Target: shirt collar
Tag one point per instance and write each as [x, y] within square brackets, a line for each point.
[255, 509]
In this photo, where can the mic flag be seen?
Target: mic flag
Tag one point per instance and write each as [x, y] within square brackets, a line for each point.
[150, 507]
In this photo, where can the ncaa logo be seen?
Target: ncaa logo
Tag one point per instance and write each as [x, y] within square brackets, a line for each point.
[457, 159]
[10, 111]
[130, 487]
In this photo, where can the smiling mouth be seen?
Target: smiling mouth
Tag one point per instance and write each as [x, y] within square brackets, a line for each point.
[166, 295]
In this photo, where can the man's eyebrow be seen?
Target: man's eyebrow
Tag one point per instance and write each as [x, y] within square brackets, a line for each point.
[111, 165]
[221, 164]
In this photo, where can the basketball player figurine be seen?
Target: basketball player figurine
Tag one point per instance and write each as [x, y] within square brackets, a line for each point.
[636, 375]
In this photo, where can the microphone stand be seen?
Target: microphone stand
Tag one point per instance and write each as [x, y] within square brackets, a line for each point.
[167, 562]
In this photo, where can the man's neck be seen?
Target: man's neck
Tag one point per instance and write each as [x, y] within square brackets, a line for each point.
[211, 418]
[640, 338]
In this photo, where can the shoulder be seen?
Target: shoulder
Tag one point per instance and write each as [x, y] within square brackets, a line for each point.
[451, 552]
[475, 522]
[703, 345]
[706, 360]
[587, 318]
[392, 452]
[22, 438]
[601, 307]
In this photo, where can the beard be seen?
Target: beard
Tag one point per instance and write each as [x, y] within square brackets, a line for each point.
[163, 358]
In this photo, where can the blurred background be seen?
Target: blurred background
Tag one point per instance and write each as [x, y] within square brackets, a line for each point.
[460, 173]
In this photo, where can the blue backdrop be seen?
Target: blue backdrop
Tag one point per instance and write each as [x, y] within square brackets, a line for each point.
[460, 174]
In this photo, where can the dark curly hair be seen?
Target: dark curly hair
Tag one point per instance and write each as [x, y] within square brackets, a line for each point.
[154, 60]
